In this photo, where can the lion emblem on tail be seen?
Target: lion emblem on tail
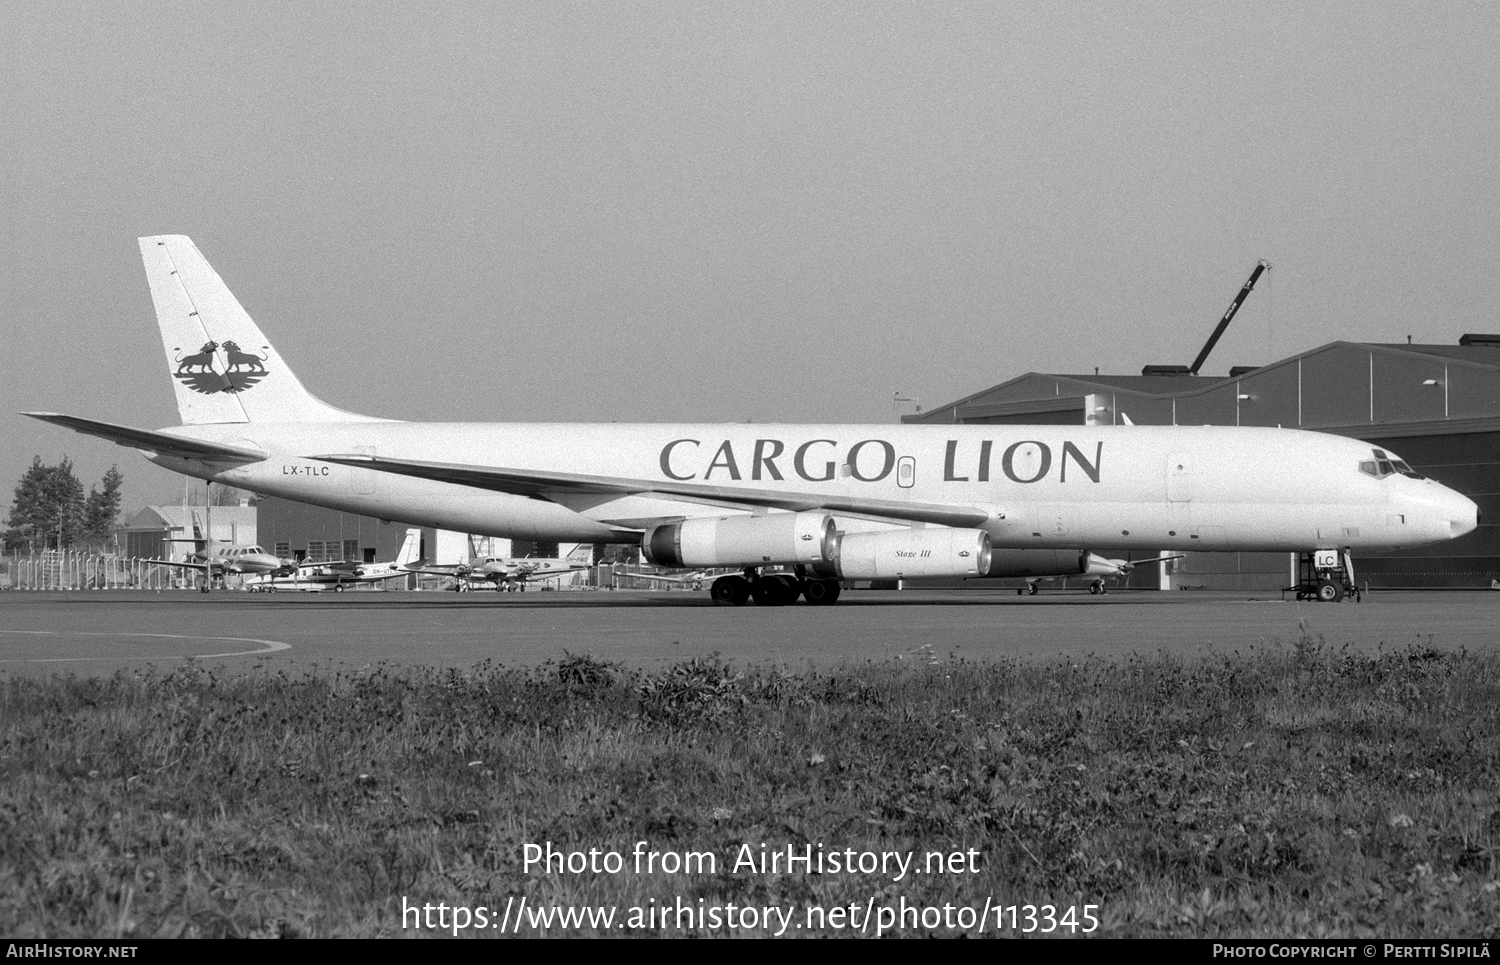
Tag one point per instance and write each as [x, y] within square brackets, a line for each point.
[244, 361]
[203, 360]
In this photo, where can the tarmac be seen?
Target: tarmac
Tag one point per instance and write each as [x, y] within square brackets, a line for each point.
[96, 633]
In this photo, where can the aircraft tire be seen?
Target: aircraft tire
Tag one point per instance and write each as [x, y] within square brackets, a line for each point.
[730, 591]
[338, 587]
[774, 591]
[1033, 589]
[1093, 589]
[821, 592]
[1330, 592]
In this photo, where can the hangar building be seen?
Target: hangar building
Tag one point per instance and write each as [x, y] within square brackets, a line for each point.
[1436, 406]
[294, 530]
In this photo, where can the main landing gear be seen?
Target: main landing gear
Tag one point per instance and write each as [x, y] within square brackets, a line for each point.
[773, 589]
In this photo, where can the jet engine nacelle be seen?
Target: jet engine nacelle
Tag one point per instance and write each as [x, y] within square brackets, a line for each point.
[787, 538]
[1039, 562]
[909, 553]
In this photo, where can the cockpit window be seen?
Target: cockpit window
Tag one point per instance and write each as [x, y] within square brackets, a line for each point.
[1386, 465]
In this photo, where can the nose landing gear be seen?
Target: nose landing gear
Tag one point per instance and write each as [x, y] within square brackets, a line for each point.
[1326, 576]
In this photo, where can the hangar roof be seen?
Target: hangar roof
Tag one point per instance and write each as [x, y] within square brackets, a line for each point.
[1336, 386]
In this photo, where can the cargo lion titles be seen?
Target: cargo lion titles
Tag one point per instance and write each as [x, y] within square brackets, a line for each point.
[872, 460]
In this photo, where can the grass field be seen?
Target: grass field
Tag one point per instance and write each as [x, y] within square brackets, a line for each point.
[1291, 791]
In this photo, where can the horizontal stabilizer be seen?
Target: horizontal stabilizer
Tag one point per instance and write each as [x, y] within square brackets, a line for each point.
[162, 443]
[528, 482]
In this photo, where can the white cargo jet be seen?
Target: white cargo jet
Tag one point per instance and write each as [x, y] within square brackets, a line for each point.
[829, 502]
[338, 574]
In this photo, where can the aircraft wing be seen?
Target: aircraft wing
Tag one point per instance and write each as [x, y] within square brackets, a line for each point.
[162, 443]
[656, 577]
[529, 482]
[341, 566]
[1158, 559]
[439, 569]
[190, 566]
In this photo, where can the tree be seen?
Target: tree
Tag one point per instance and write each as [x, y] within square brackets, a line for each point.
[48, 508]
[230, 496]
[101, 509]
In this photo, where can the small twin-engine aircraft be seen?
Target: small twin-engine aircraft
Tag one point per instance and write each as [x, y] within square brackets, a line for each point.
[504, 572]
[337, 574]
[693, 578]
[1099, 567]
[827, 502]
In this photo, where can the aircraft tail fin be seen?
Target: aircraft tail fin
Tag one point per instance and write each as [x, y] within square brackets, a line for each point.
[201, 544]
[223, 368]
[410, 548]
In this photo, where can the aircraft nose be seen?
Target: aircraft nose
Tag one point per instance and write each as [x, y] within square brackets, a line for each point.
[1438, 511]
[1462, 513]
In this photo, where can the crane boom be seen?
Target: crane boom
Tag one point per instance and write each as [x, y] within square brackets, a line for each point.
[1234, 306]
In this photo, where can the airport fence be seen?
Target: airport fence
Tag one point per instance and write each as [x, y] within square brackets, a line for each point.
[76, 570]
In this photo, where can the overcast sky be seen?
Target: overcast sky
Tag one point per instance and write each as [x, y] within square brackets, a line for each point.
[727, 212]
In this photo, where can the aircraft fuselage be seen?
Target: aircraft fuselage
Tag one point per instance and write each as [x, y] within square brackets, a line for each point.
[1135, 487]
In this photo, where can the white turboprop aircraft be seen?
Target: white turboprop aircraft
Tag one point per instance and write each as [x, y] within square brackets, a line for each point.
[504, 572]
[217, 559]
[830, 502]
[341, 573]
[693, 578]
[1083, 563]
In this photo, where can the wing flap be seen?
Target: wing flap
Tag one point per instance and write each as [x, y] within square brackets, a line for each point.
[528, 482]
[162, 443]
